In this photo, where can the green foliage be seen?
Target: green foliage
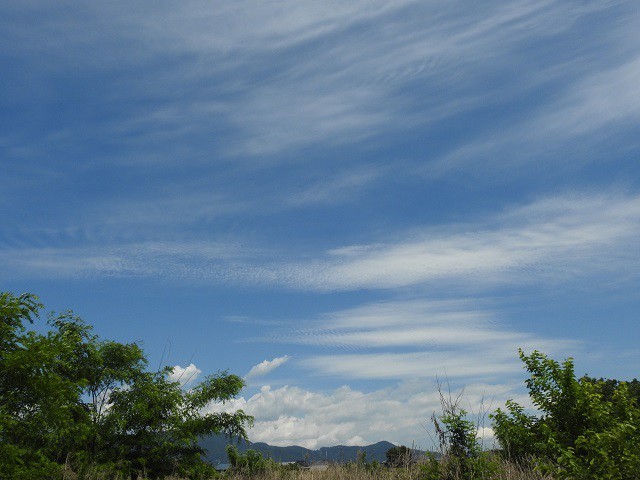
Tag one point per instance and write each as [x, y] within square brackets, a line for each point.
[38, 392]
[586, 428]
[456, 433]
[462, 456]
[398, 456]
[67, 397]
[250, 463]
[607, 387]
[361, 458]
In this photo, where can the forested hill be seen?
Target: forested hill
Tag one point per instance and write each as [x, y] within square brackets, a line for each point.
[216, 445]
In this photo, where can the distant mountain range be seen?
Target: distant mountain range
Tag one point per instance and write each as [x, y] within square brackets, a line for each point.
[216, 453]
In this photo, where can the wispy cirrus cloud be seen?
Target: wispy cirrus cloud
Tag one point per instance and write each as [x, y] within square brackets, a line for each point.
[479, 363]
[335, 189]
[176, 259]
[352, 88]
[602, 99]
[278, 78]
[311, 151]
[551, 239]
[594, 107]
[405, 339]
[459, 344]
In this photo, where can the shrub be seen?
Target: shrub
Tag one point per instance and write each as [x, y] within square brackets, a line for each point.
[462, 456]
[249, 463]
[579, 433]
[398, 456]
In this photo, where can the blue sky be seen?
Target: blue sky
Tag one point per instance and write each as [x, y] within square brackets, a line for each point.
[338, 200]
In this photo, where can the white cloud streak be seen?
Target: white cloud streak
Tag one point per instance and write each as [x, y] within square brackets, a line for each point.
[486, 369]
[602, 99]
[594, 107]
[335, 189]
[548, 239]
[476, 362]
[266, 366]
[408, 339]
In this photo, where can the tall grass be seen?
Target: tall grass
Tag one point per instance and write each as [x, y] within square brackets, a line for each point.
[504, 470]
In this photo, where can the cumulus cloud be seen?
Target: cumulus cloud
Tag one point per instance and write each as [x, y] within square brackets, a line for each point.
[266, 366]
[186, 375]
[295, 416]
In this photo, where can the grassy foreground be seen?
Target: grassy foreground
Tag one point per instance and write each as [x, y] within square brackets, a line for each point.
[505, 471]
[502, 470]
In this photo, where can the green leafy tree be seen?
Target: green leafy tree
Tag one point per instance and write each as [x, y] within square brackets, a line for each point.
[41, 417]
[398, 456]
[580, 431]
[153, 425]
[68, 397]
[607, 387]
